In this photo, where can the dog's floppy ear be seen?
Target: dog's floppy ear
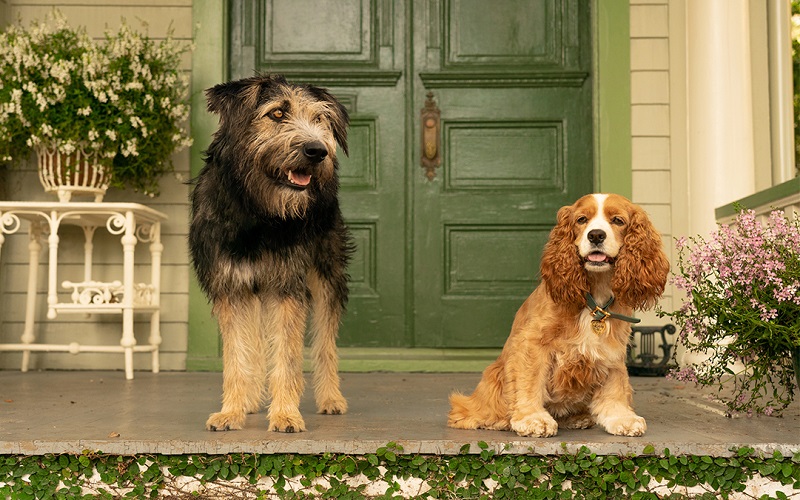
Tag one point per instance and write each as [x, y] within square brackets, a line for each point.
[340, 119]
[561, 266]
[339, 122]
[641, 268]
[224, 98]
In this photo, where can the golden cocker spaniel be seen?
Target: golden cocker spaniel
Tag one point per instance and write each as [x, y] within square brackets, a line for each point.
[564, 362]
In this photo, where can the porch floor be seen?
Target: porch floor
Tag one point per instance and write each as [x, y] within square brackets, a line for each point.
[69, 412]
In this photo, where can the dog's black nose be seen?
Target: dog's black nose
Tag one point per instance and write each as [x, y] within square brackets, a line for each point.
[596, 236]
[315, 151]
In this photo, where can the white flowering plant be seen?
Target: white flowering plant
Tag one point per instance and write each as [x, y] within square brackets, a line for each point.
[123, 98]
[742, 311]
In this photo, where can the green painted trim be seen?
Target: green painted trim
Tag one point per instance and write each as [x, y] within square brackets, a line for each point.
[209, 63]
[404, 360]
[198, 364]
[354, 359]
[762, 198]
[374, 359]
[410, 172]
[612, 67]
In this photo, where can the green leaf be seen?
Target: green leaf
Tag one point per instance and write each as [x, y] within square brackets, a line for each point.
[766, 469]
[649, 449]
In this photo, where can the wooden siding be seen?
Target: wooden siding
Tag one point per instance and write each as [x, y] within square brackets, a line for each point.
[22, 184]
[650, 121]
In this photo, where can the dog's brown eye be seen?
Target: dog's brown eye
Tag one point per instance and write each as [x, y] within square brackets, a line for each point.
[582, 219]
[276, 114]
[619, 221]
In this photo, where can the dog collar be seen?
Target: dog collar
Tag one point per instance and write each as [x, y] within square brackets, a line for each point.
[601, 313]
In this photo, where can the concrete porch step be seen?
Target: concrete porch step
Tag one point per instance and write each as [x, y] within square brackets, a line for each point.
[70, 412]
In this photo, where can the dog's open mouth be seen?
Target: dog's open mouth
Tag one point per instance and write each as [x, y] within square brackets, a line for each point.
[298, 179]
[598, 259]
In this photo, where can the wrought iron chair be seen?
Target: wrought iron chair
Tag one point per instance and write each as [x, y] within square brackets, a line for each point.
[646, 362]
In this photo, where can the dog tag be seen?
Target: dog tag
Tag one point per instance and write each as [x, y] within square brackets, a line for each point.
[598, 326]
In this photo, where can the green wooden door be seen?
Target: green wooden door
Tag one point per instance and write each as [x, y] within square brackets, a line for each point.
[443, 260]
[511, 81]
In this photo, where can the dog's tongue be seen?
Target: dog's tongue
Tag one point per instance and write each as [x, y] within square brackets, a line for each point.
[299, 179]
[596, 257]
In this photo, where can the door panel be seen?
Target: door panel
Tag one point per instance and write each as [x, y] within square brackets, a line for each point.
[530, 155]
[443, 262]
[511, 32]
[515, 109]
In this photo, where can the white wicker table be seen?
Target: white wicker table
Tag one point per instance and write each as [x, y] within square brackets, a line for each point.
[134, 223]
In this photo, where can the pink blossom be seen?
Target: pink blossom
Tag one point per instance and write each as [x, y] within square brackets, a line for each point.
[742, 292]
[686, 374]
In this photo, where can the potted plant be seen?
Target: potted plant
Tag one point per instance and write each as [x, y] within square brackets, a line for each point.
[118, 104]
[742, 311]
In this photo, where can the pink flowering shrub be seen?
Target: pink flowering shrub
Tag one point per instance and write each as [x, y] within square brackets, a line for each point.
[742, 309]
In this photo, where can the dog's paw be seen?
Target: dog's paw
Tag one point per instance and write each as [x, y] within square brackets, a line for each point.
[632, 425]
[332, 406]
[540, 424]
[225, 421]
[287, 423]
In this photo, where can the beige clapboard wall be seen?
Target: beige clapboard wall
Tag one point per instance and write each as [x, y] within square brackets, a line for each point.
[157, 18]
[651, 141]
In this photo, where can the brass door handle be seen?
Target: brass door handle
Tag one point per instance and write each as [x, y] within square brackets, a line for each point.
[429, 134]
[431, 157]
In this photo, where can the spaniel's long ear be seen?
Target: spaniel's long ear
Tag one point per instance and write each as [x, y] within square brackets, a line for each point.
[561, 267]
[641, 268]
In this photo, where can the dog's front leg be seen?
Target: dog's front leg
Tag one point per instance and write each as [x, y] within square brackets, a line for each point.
[328, 299]
[529, 391]
[285, 322]
[244, 367]
[611, 405]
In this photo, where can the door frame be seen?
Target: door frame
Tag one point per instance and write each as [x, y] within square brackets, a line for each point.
[612, 167]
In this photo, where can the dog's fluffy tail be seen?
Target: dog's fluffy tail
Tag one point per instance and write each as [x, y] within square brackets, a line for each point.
[486, 408]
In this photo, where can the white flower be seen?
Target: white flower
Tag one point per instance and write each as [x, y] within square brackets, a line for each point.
[129, 148]
[132, 78]
[67, 147]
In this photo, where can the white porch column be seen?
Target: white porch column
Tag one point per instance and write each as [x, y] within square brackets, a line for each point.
[781, 90]
[720, 108]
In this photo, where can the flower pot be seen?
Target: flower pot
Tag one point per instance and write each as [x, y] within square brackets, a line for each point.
[72, 174]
